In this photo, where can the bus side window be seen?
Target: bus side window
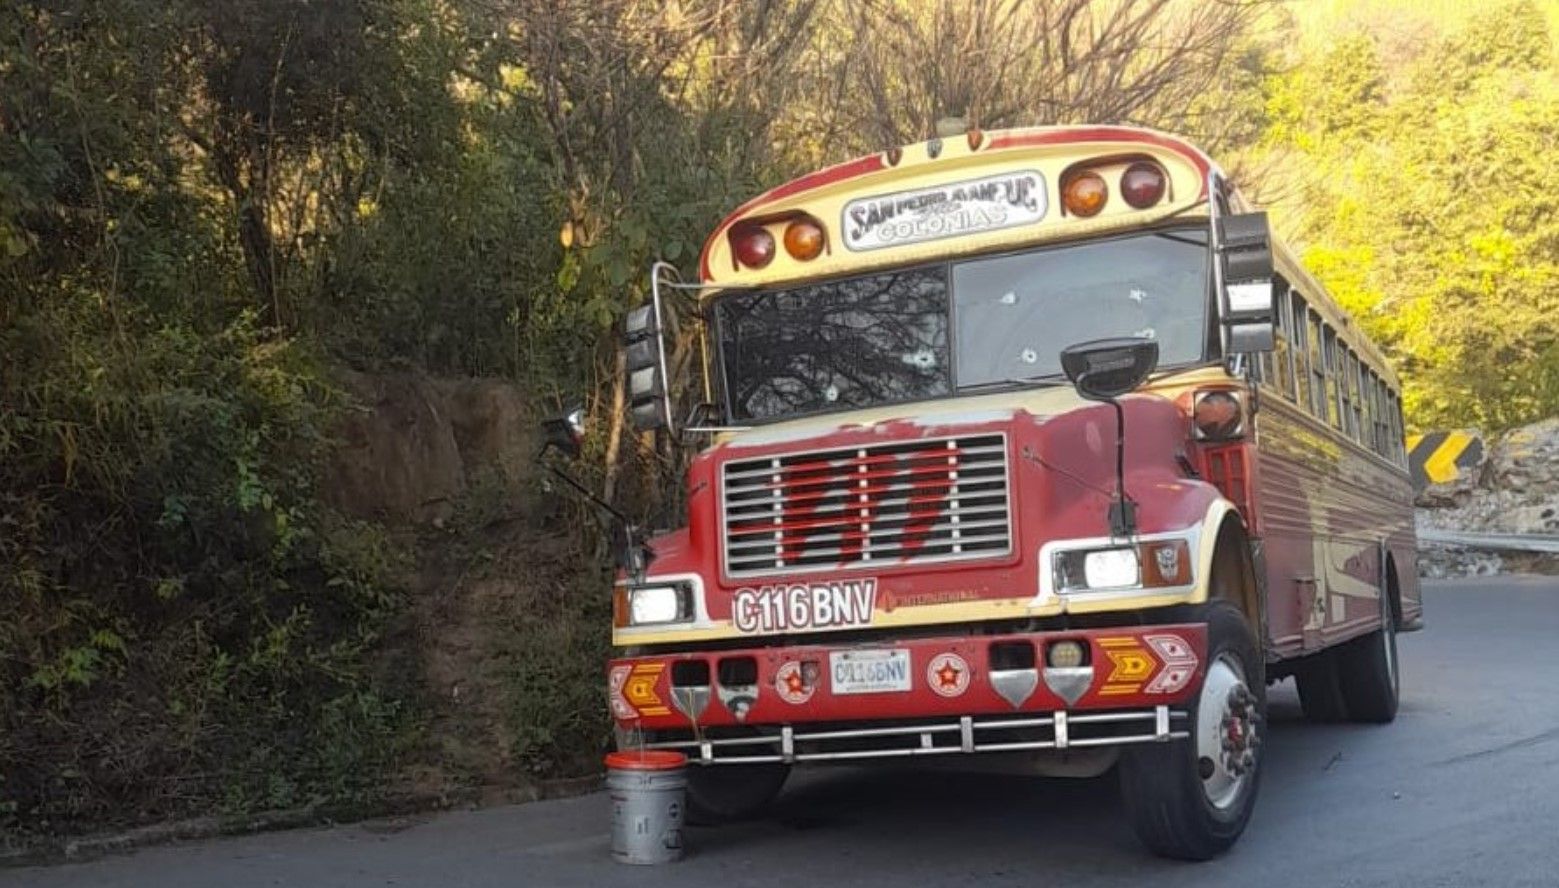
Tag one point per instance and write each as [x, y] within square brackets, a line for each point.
[1301, 352]
[1281, 359]
[1357, 394]
[1397, 455]
[1327, 375]
[1345, 368]
[1355, 405]
[1370, 431]
[1382, 419]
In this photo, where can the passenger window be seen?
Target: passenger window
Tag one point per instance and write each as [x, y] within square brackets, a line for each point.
[1301, 353]
[1282, 361]
[1397, 455]
[1356, 391]
[1350, 396]
[1327, 377]
[1371, 411]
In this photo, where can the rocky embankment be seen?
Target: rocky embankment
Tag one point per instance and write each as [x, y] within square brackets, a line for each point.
[1514, 490]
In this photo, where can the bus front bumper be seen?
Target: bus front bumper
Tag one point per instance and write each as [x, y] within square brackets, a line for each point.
[914, 697]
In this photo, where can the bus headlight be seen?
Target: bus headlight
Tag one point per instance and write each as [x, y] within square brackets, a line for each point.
[1155, 564]
[654, 605]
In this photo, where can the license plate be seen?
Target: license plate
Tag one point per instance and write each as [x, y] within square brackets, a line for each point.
[870, 672]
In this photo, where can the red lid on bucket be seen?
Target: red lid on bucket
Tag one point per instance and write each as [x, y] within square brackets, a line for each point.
[646, 760]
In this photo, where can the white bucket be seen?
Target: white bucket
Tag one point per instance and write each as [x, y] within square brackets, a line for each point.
[648, 789]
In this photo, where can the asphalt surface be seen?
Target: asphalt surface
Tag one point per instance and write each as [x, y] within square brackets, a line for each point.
[1463, 790]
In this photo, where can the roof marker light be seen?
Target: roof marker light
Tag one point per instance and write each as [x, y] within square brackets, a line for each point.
[753, 245]
[1084, 194]
[804, 239]
[1143, 185]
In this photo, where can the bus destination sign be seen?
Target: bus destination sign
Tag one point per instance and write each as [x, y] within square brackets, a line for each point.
[909, 217]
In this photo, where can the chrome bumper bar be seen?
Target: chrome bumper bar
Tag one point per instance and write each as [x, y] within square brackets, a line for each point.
[1060, 730]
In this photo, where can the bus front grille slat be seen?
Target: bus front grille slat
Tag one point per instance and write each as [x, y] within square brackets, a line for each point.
[886, 504]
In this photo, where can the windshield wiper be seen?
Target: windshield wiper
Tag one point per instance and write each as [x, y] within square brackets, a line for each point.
[1042, 380]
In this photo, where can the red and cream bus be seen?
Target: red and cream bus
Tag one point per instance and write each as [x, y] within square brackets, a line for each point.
[1027, 442]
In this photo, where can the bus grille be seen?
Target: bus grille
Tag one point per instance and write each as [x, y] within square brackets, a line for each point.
[929, 500]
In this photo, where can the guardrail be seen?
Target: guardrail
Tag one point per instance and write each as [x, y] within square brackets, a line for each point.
[1509, 542]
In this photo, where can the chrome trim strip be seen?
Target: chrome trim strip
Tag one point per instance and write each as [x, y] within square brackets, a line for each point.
[1065, 723]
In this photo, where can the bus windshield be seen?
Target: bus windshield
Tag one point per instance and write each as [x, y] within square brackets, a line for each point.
[934, 330]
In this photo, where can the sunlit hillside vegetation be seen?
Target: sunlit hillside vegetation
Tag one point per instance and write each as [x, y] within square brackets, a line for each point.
[208, 208]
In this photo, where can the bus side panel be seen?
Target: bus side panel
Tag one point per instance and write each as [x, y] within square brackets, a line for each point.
[1326, 505]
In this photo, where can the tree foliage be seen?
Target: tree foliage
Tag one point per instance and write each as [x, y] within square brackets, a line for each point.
[1428, 208]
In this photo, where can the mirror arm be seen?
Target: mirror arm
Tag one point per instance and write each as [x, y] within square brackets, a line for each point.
[1123, 511]
[628, 559]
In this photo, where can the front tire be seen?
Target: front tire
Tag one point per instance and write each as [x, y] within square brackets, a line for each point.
[719, 794]
[1191, 799]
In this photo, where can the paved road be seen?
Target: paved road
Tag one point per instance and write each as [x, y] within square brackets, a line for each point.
[1462, 790]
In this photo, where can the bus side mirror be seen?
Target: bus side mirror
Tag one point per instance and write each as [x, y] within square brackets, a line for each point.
[1245, 254]
[649, 399]
[564, 433]
[1105, 369]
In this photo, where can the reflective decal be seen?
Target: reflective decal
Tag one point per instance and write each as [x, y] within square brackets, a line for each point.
[1179, 664]
[948, 675]
[793, 683]
[639, 689]
[1131, 664]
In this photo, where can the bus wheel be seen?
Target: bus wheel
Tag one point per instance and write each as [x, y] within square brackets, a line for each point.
[719, 794]
[1320, 688]
[1370, 681]
[1191, 799]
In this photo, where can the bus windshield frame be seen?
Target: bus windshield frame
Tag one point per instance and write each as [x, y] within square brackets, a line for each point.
[1195, 343]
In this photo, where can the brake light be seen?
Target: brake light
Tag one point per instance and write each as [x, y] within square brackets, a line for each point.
[753, 245]
[1084, 194]
[1227, 469]
[804, 239]
[1143, 185]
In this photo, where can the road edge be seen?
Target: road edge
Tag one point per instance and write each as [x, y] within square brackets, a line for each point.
[77, 849]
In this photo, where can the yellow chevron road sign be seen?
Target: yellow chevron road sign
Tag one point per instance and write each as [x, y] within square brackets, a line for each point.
[1439, 457]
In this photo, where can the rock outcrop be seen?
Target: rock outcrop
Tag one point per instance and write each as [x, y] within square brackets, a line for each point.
[1517, 491]
[411, 445]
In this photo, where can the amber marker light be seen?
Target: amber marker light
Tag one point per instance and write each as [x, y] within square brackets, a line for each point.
[1217, 416]
[804, 239]
[1143, 185]
[1084, 194]
[753, 245]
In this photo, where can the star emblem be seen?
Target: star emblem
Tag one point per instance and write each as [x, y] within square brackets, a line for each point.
[948, 675]
[794, 682]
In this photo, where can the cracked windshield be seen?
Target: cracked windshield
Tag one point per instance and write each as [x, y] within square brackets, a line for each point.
[884, 339]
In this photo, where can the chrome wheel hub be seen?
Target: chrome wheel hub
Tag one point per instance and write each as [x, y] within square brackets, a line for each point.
[1227, 732]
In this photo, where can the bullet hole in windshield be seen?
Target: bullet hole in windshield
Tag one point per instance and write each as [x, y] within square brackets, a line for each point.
[922, 359]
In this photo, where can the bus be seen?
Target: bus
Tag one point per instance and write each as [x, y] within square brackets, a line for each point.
[1029, 443]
